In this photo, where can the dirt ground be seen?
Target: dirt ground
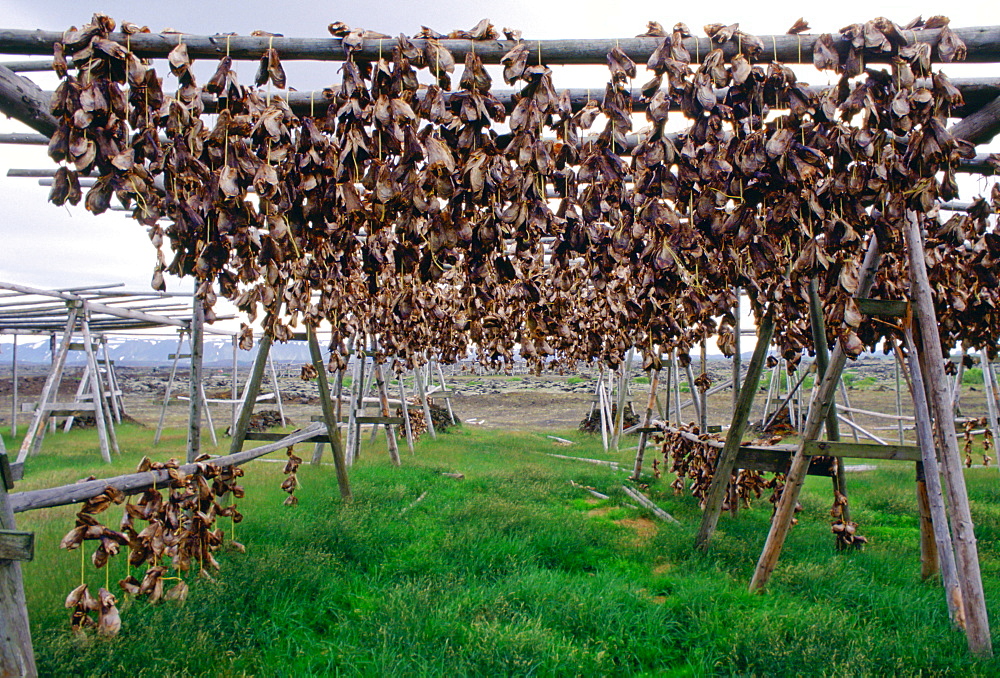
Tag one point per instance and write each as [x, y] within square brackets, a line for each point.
[524, 402]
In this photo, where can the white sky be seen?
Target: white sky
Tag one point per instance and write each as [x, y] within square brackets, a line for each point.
[48, 246]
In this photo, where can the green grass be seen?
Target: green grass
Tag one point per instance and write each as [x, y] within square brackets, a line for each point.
[973, 375]
[641, 380]
[512, 571]
[575, 380]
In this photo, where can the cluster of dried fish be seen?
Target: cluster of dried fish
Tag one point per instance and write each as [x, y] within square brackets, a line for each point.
[403, 210]
[291, 481]
[693, 463]
[845, 531]
[969, 440]
[179, 533]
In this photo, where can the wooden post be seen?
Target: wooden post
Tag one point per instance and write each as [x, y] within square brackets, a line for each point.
[419, 383]
[785, 509]
[666, 392]
[390, 432]
[208, 413]
[17, 658]
[329, 416]
[677, 386]
[991, 394]
[36, 429]
[277, 389]
[703, 392]
[352, 409]
[928, 547]
[619, 414]
[654, 383]
[966, 554]
[109, 380]
[444, 387]
[13, 402]
[956, 391]
[406, 413]
[847, 402]
[695, 399]
[235, 382]
[194, 390]
[170, 386]
[737, 348]
[81, 388]
[96, 390]
[899, 402]
[602, 404]
[734, 437]
[818, 326]
[250, 392]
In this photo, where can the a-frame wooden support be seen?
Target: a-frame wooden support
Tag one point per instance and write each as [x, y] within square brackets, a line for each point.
[329, 415]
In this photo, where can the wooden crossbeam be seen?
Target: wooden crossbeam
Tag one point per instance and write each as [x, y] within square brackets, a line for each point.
[15, 545]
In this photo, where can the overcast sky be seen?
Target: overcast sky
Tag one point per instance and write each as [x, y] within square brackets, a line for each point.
[49, 246]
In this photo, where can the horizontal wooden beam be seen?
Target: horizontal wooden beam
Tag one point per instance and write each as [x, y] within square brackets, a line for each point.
[892, 308]
[981, 126]
[16, 545]
[982, 44]
[134, 483]
[254, 435]
[862, 450]
[23, 100]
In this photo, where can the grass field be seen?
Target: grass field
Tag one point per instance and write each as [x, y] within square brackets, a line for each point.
[512, 571]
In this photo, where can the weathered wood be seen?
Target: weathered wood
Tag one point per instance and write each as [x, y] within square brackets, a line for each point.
[254, 435]
[421, 393]
[251, 389]
[406, 413]
[17, 657]
[343, 482]
[445, 393]
[24, 101]
[981, 126]
[195, 378]
[625, 371]
[737, 343]
[646, 419]
[133, 483]
[989, 388]
[928, 547]
[15, 545]
[277, 390]
[96, 307]
[932, 477]
[791, 394]
[857, 428]
[647, 503]
[6, 472]
[862, 450]
[981, 42]
[741, 415]
[36, 429]
[785, 509]
[166, 394]
[98, 397]
[14, 379]
[777, 460]
[390, 432]
[886, 308]
[963, 534]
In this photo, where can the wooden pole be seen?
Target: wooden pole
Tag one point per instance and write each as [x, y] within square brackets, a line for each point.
[602, 399]
[734, 437]
[899, 401]
[981, 43]
[444, 387]
[23, 100]
[419, 383]
[991, 394]
[194, 387]
[109, 381]
[81, 388]
[406, 413]
[352, 406]
[329, 415]
[772, 383]
[390, 431]
[277, 389]
[818, 325]
[677, 386]
[235, 383]
[966, 554]
[17, 658]
[96, 390]
[208, 413]
[170, 385]
[737, 348]
[695, 399]
[785, 509]
[654, 383]
[703, 392]
[36, 429]
[956, 391]
[250, 392]
[847, 401]
[931, 473]
[666, 391]
[14, 380]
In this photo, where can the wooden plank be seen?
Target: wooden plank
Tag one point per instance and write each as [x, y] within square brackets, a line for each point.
[195, 385]
[15, 545]
[80, 346]
[178, 356]
[364, 420]
[254, 435]
[981, 126]
[17, 657]
[886, 308]
[776, 460]
[861, 450]
[78, 407]
[251, 389]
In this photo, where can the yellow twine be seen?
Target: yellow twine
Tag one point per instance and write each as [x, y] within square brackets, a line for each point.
[312, 104]
[83, 563]
[774, 44]
[227, 45]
